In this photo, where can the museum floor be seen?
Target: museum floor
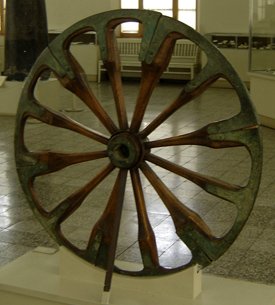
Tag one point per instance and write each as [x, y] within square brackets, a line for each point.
[251, 257]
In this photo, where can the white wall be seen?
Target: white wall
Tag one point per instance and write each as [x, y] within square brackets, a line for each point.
[115, 4]
[63, 13]
[224, 16]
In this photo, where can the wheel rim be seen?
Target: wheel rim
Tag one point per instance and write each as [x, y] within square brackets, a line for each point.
[128, 146]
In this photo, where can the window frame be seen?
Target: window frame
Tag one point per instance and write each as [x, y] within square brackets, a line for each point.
[2, 16]
[175, 12]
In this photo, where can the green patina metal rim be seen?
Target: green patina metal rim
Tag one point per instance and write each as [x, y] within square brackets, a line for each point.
[242, 128]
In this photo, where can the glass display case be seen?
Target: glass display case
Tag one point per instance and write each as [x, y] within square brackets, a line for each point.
[229, 40]
[234, 46]
[262, 36]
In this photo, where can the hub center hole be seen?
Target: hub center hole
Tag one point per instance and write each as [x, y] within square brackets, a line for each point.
[123, 151]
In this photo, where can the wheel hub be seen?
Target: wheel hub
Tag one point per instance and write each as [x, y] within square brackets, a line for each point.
[125, 150]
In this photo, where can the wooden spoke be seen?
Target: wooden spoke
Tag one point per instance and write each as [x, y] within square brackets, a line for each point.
[81, 88]
[73, 202]
[146, 236]
[198, 137]
[192, 90]
[215, 135]
[189, 226]
[149, 78]
[104, 236]
[115, 78]
[43, 163]
[180, 214]
[56, 119]
[54, 161]
[211, 185]
[112, 65]
[117, 199]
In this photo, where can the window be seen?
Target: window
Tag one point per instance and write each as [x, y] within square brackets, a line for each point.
[2, 15]
[183, 10]
[187, 12]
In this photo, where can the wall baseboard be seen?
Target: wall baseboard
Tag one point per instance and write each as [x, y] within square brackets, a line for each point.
[92, 78]
[266, 121]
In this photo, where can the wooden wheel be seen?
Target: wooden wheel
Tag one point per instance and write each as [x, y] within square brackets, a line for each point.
[128, 148]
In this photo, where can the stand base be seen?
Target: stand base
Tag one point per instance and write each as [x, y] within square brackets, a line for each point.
[36, 279]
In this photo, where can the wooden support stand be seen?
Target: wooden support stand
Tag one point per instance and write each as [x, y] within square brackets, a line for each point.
[49, 277]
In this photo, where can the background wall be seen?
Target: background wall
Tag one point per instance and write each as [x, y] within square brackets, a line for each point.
[215, 15]
[224, 16]
[63, 13]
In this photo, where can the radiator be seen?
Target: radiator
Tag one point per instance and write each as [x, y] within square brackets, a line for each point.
[184, 63]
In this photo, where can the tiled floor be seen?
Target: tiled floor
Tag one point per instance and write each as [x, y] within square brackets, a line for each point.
[251, 257]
